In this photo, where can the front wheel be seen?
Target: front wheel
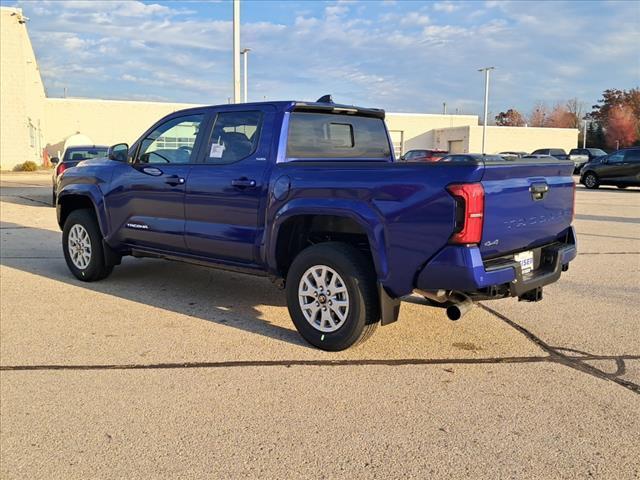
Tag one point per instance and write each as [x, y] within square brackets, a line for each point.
[332, 297]
[82, 246]
[591, 181]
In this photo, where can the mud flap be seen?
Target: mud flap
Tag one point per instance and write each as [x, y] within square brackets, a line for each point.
[389, 306]
[111, 257]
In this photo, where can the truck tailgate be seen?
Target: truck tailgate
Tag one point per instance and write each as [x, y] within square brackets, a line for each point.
[527, 204]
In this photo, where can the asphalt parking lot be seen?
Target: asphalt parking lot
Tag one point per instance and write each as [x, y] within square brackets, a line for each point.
[167, 370]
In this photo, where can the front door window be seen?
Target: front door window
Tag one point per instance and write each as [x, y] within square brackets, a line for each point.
[172, 142]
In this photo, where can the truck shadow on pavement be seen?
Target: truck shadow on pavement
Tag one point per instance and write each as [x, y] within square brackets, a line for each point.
[217, 296]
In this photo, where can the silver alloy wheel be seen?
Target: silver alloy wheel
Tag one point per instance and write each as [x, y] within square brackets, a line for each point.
[590, 180]
[323, 298]
[79, 245]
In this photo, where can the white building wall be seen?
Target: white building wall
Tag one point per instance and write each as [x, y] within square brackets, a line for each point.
[106, 122]
[417, 129]
[500, 139]
[21, 93]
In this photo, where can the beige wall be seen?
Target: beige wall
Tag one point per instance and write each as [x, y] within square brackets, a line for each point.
[418, 128]
[21, 93]
[500, 139]
[104, 121]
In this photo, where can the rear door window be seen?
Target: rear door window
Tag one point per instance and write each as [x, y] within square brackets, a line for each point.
[632, 156]
[234, 137]
[616, 157]
[323, 135]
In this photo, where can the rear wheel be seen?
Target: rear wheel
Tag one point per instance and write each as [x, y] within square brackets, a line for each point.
[82, 246]
[591, 181]
[332, 297]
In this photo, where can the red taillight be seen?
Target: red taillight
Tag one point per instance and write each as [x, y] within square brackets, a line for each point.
[470, 212]
[60, 168]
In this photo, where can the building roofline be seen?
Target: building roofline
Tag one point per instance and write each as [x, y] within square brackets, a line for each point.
[106, 100]
[507, 126]
[408, 114]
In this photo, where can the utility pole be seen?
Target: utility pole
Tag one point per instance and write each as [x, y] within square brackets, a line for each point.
[245, 53]
[236, 51]
[444, 108]
[584, 134]
[486, 71]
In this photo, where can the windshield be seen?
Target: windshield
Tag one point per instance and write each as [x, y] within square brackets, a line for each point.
[77, 154]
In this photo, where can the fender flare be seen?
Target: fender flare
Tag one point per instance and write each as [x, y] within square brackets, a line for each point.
[90, 192]
[366, 217]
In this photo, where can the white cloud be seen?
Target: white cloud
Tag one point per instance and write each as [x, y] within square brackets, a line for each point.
[448, 7]
[414, 18]
[336, 10]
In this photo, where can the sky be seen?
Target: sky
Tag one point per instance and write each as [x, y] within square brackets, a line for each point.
[403, 56]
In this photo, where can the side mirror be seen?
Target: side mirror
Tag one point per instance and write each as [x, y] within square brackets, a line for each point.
[118, 152]
[402, 158]
[54, 160]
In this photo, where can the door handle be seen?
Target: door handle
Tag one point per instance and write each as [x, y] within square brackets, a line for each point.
[174, 180]
[152, 171]
[243, 182]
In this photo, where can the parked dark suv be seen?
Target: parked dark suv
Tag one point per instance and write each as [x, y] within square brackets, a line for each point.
[621, 168]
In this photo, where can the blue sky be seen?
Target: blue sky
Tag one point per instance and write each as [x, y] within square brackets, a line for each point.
[399, 55]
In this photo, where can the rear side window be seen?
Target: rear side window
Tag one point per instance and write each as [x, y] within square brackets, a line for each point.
[632, 156]
[322, 135]
[234, 137]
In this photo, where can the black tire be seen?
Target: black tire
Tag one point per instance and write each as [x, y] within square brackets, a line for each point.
[96, 268]
[590, 180]
[359, 278]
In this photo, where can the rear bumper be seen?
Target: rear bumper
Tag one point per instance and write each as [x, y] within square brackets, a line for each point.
[462, 269]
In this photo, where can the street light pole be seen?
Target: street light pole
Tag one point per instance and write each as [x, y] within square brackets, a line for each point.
[245, 53]
[584, 134]
[236, 51]
[486, 71]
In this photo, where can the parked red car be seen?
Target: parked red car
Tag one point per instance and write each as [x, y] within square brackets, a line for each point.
[423, 155]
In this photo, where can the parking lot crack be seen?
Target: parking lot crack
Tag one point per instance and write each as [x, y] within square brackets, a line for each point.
[575, 362]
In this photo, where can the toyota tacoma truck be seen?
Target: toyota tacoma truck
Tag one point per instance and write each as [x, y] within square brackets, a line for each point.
[309, 194]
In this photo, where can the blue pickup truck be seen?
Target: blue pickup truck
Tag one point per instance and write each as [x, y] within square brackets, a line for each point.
[309, 195]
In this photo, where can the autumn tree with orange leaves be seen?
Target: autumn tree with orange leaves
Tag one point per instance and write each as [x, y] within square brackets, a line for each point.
[617, 113]
[622, 127]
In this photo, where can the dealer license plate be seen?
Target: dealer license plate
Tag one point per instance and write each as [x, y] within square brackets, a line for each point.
[526, 261]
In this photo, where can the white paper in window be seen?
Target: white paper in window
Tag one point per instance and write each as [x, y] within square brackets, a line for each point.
[216, 150]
